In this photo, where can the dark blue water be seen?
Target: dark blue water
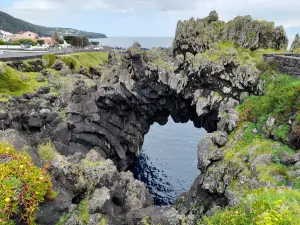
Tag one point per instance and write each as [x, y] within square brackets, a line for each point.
[168, 162]
[126, 42]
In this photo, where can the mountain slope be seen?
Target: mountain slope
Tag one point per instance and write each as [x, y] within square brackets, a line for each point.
[14, 25]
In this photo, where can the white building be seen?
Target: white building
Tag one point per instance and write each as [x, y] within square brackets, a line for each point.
[5, 36]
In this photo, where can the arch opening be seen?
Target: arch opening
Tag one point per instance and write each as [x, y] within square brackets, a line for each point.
[168, 160]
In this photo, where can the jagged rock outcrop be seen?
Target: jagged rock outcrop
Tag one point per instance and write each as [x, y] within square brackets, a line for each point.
[208, 150]
[197, 36]
[254, 34]
[296, 43]
[29, 66]
[98, 182]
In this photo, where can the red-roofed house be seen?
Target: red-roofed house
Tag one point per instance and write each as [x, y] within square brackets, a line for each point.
[32, 36]
[47, 40]
[25, 35]
[29, 35]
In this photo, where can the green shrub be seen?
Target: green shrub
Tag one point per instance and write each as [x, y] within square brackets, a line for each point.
[2, 42]
[27, 42]
[23, 42]
[90, 59]
[10, 81]
[296, 125]
[16, 83]
[87, 60]
[22, 186]
[265, 66]
[261, 207]
[77, 41]
[227, 50]
[103, 221]
[82, 214]
[83, 209]
[41, 42]
[281, 132]
[46, 152]
[15, 43]
[70, 62]
[281, 98]
[2, 69]
[49, 60]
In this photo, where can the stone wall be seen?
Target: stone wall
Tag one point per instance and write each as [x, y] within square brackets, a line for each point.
[287, 63]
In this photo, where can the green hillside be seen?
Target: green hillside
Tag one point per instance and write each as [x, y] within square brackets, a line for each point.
[14, 25]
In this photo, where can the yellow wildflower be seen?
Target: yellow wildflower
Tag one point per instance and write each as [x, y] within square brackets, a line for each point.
[7, 199]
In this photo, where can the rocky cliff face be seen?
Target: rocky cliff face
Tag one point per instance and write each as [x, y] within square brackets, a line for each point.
[114, 117]
[197, 36]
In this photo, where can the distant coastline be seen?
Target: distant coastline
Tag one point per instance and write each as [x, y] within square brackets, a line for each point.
[126, 42]
[14, 25]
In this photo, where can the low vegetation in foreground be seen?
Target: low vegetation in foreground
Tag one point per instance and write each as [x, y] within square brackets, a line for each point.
[23, 186]
[269, 206]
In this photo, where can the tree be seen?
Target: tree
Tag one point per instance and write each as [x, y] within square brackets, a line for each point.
[41, 42]
[95, 43]
[77, 41]
[27, 42]
[56, 37]
[15, 43]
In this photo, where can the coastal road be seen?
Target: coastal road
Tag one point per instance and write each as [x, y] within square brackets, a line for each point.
[21, 55]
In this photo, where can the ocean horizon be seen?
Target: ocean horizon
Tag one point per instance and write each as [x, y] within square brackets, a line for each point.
[126, 42]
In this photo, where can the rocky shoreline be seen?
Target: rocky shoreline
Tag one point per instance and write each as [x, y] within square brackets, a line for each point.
[96, 119]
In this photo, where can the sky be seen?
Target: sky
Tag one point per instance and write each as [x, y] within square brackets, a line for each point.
[147, 17]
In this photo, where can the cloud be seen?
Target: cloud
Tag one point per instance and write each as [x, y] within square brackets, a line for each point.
[42, 11]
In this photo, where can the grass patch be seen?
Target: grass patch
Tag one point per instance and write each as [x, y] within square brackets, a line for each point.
[15, 83]
[22, 186]
[228, 50]
[251, 145]
[281, 132]
[49, 60]
[103, 221]
[83, 209]
[86, 59]
[70, 62]
[261, 207]
[282, 97]
[46, 152]
[266, 173]
[63, 219]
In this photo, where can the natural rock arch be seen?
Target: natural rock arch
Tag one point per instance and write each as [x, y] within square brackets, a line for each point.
[114, 117]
